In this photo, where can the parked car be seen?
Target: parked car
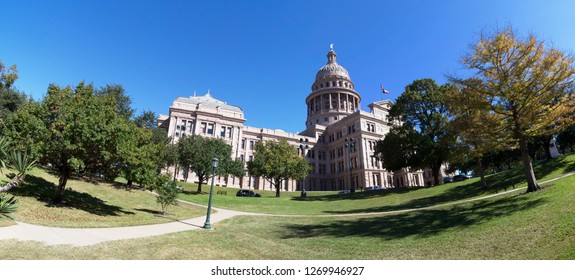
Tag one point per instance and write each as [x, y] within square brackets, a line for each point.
[460, 177]
[373, 188]
[447, 179]
[343, 192]
[248, 193]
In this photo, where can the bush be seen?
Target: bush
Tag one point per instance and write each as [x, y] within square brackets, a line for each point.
[167, 191]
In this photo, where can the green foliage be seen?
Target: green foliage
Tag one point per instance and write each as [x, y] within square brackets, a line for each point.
[146, 120]
[423, 112]
[16, 160]
[278, 161]
[196, 153]
[120, 99]
[7, 76]
[10, 101]
[7, 204]
[526, 89]
[167, 191]
[71, 129]
[397, 149]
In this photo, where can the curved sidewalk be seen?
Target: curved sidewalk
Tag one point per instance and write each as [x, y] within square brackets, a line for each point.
[91, 236]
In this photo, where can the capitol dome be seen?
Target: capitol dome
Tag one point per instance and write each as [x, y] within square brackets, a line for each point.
[331, 69]
[332, 96]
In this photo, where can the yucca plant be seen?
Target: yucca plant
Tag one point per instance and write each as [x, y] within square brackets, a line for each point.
[7, 204]
[16, 160]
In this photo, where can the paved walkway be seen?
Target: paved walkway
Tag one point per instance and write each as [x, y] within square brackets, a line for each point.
[91, 236]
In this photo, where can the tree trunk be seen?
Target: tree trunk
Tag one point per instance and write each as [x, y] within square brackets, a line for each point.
[65, 173]
[481, 174]
[199, 190]
[13, 183]
[527, 166]
[278, 183]
[200, 182]
[435, 169]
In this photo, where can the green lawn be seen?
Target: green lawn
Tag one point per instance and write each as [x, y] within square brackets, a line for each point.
[540, 225]
[363, 202]
[516, 225]
[89, 204]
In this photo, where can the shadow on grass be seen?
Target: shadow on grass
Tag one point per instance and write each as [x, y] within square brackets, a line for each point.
[44, 190]
[503, 181]
[416, 224]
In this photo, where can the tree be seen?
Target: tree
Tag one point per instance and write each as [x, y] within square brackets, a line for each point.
[139, 156]
[422, 109]
[199, 154]
[72, 130]
[526, 86]
[8, 76]
[474, 126]
[167, 192]
[10, 98]
[566, 139]
[147, 119]
[398, 148]
[117, 93]
[277, 161]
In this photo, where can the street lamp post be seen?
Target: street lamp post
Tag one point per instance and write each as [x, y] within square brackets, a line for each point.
[303, 146]
[349, 144]
[207, 224]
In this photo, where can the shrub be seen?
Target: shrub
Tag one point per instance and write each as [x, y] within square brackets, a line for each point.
[167, 191]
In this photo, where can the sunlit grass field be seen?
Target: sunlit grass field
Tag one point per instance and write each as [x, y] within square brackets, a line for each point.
[515, 225]
[89, 204]
[317, 203]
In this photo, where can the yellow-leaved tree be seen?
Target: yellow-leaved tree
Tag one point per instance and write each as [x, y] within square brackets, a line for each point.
[522, 86]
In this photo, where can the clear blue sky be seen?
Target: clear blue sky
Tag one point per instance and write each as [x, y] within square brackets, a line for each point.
[259, 55]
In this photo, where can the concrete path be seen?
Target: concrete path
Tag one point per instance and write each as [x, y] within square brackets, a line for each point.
[91, 236]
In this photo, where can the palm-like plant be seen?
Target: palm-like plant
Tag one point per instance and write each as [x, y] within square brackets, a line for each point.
[18, 161]
[7, 204]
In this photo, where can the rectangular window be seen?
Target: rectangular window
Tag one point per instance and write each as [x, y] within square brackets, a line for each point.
[223, 132]
[251, 145]
[204, 127]
[211, 129]
[243, 143]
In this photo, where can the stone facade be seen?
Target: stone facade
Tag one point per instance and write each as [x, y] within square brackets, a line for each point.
[338, 141]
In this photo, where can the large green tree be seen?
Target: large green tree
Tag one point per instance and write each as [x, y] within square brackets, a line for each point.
[10, 98]
[421, 109]
[71, 129]
[196, 153]
[278, 161]
[526, 86]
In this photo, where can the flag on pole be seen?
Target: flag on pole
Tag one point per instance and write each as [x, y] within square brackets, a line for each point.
[383, 90]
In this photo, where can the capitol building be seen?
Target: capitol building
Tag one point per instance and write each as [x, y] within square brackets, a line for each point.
[338, 140]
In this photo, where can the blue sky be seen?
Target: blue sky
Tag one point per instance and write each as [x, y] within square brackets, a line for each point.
[259, 55]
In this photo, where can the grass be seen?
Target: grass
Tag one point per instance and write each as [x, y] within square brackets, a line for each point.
[515, 225]
[89, 204]
[539, 225]
[388, 200]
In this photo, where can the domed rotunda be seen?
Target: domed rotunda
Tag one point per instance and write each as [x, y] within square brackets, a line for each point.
[332, 96]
